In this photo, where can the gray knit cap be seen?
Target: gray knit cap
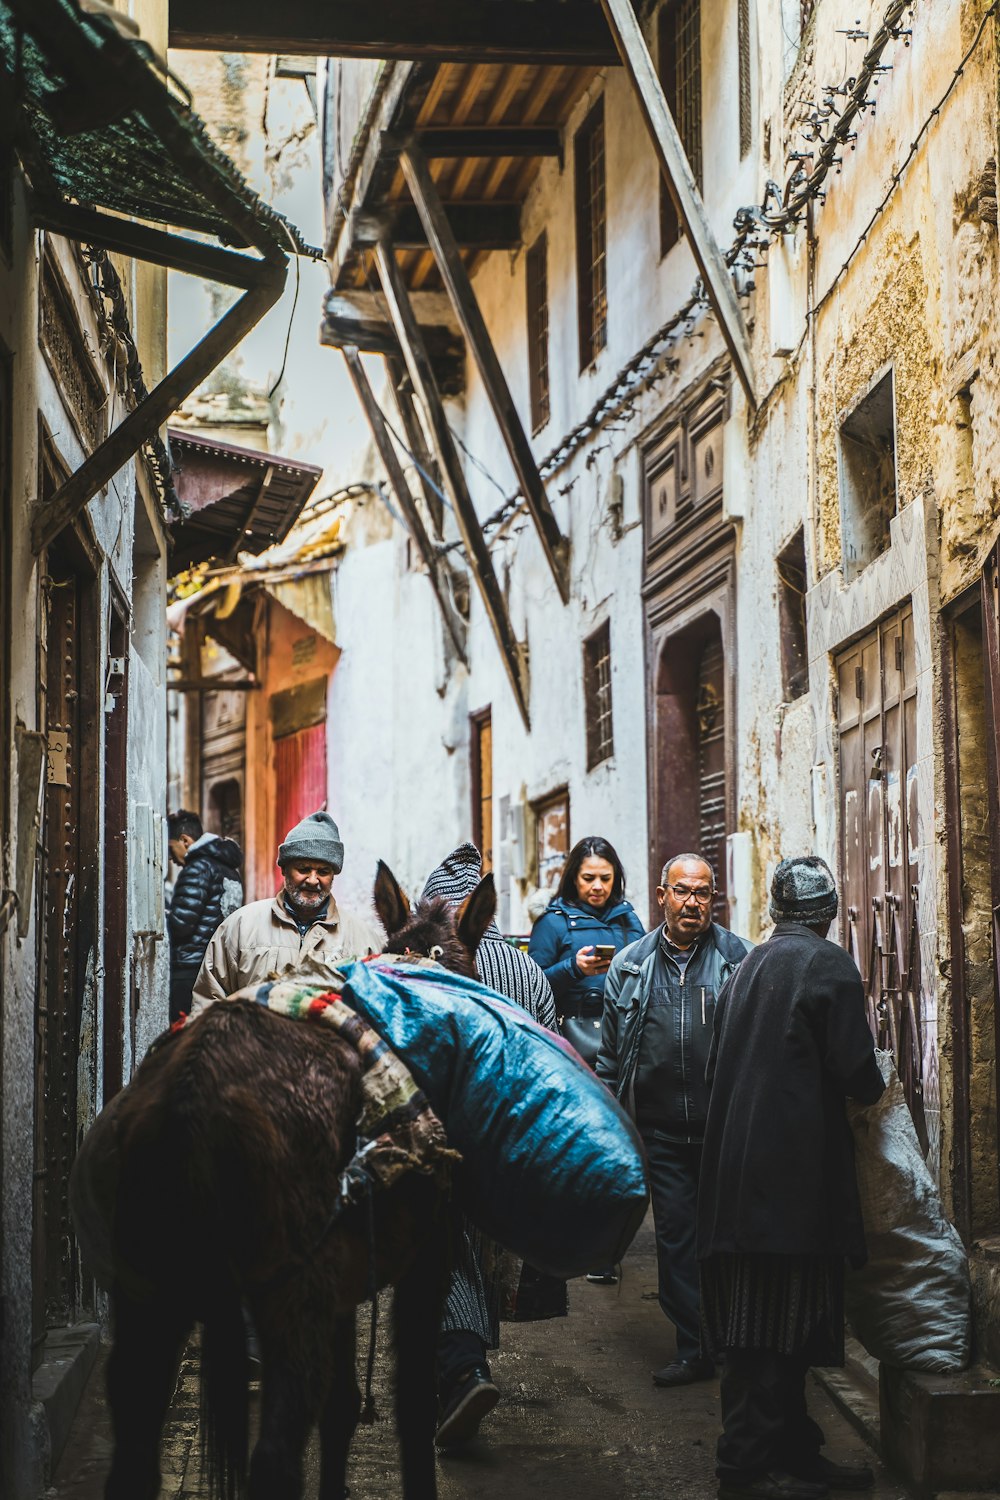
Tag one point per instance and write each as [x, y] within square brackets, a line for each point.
[804, 890]
[316, 837]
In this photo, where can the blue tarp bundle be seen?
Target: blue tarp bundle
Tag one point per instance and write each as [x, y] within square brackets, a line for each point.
[552, 1167]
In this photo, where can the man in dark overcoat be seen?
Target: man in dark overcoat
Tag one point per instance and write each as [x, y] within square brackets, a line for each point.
[778, 1211]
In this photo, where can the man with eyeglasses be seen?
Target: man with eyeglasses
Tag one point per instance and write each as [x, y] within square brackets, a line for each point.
[659, 1006]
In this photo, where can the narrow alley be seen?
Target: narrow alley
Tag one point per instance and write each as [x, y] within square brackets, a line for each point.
[579, 1418]
[500, 562]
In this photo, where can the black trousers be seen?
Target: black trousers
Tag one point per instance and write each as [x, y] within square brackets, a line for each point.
[765, 1424]
[182, 978]
[673, 1183]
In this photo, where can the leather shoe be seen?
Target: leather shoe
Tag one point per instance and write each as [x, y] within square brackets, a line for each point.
[775, 1485]
[838, 1476]
[474, 1396]
[684, 1372]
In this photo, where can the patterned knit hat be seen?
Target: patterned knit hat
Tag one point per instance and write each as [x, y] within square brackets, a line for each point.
[457, 877]
[803, 890]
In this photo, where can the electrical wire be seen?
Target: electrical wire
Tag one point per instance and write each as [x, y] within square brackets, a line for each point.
[291, 315]
[897, 176]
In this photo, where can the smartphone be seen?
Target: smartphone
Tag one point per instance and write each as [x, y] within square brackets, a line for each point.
[604, 951]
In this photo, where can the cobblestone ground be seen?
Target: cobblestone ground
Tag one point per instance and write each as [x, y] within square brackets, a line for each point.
[579, 1420]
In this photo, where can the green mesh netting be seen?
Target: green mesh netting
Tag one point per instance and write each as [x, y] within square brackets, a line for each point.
[125, 165]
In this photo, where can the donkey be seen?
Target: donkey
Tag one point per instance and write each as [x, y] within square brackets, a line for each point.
[231, 1141]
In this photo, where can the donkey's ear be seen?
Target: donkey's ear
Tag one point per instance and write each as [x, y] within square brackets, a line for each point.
[475, 914]
[390, 903]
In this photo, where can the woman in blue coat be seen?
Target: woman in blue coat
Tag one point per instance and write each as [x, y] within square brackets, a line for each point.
[574, 941]
[588, 913]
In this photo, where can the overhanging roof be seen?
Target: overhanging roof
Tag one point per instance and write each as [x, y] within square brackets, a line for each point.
[98, 124]
[238, 499]
[486, 128]
[112, 152]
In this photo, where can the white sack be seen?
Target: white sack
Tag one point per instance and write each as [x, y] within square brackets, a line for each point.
[910, 1304]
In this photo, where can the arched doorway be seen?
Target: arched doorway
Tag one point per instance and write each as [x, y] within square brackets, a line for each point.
[690, 775]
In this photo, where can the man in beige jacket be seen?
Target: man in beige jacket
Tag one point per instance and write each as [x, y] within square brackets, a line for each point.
[302, 922]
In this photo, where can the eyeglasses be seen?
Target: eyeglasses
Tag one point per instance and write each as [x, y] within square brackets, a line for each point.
[702, 894]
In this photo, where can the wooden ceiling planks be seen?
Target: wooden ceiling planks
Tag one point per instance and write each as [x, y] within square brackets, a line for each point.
[479, 93]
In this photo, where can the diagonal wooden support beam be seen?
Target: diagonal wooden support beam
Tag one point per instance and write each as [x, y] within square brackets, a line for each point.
[419, 366]
[680, 181]
[433, 560]
[402, 392]
[148, 417]
[459, 288]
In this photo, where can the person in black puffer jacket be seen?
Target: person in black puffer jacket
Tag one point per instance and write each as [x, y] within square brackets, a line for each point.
[207, 890]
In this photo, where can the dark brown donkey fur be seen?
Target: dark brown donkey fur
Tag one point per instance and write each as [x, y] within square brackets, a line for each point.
[232, 1139]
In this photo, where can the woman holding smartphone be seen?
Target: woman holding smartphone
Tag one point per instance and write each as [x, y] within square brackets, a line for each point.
[574, 941]
[577, 936]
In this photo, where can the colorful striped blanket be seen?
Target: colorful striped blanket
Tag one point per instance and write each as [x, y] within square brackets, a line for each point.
[400, 1132]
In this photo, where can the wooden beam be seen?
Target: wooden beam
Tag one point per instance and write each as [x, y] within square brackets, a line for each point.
[683, 189]
[212, 685]
[483, 141]
[433, 561]
[419, 366]
[155, 246]
[343, 324]
[475, 226]
[495, 31]
[252, 518]
[148, 417]
[473, 324]
[402, 392]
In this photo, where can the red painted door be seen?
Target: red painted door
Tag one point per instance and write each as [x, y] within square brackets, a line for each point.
[299, 777]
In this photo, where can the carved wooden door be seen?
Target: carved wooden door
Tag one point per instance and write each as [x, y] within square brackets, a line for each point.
[879, 835]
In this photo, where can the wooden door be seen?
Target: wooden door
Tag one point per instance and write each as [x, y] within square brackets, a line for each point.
[299, 777]
[57, 1012]
[710, 708]
[879, 834]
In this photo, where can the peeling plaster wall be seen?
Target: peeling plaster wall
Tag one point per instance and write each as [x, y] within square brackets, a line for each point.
[914, 293]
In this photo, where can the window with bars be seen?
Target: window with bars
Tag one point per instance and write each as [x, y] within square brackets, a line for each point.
[538, 331]
[743, 47]
[591, 235]
[679, 46]
[597, 695]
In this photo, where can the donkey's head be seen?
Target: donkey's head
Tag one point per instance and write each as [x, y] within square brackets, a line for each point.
[434, 928]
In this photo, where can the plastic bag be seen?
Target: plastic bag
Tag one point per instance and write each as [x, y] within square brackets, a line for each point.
[552, 1167]
[910, 1303]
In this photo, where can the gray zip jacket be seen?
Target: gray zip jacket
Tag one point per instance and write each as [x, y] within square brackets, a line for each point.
[626, 1004]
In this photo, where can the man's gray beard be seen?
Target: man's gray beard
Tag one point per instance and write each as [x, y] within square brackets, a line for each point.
[305, 903]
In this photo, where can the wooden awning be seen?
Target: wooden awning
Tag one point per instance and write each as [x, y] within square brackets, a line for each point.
[486, 129]
[237, 499]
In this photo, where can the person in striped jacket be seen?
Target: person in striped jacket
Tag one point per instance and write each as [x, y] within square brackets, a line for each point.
[471, 1321]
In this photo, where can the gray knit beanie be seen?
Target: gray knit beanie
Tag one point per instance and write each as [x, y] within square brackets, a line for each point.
[804, 890]
[316, 837]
